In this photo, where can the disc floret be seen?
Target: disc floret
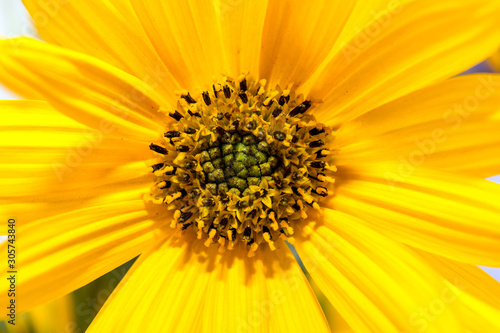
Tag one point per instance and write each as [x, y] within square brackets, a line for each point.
[242, 164]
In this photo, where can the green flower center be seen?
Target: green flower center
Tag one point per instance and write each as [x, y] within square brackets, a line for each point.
[236, 161]
[242, 164]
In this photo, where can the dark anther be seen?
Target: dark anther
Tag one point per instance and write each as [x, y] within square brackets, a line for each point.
[206, 98]
[185, 226]
[194, 193]
[188, 98]
[183, 148]
[284, 100]
[157, 166]
[233, 232]
[295, 190]
[171, 172]
[300, 109]
[296, 206]
[184, 177]
[283, 202]
[167, 185]
[297, 175]
[222, 194]
[220, 116]
[184, 217]
[222, 224]
[316, 144]
[315, 178]
[251, 241]
[208, 202]
[158, 149]
[183, 193]
[316, 131]
[242, 204]
[280, 136]
[265, 230]
[224, 135]
[277, 111]
[189, 130]
[220, 130]
[243, 85]
[320, 190]
[318, 164]
[190, 164]
[246, 234]
[227, 91]
[277, 180]
[215, 91]
[295, 139]
[252, 214]
[194, 114]
[176, 115]
[244, 97]
[250, 126]
[172, 134]
[319, 153]
[234, 125]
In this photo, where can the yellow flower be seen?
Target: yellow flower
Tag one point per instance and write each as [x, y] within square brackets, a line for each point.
[369, 157]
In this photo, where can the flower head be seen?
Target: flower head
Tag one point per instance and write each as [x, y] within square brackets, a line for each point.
[203, 134]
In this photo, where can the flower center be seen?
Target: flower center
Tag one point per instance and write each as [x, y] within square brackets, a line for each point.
[242, 164]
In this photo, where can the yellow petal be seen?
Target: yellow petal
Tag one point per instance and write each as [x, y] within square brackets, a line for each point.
[242, 23]
[417, 47]
[334, 319]
[376, 284]
[363, 14]
[297, 37]
[84, 88]
[366, 13]
[186, 35]
[473, 292]
[446, 214]
[448, 126]
[60, 253]
[108, 30]
[44, 153]
[183, 286]
[495, 60]
[18, 87]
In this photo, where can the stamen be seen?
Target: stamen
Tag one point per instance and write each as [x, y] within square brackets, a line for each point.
[206, 98]
[158, 149]
[300, 109]
[188, 98]
[176, 115]
[172, 134]
[241, 165]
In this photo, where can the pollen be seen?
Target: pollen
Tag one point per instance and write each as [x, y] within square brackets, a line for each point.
[242, 164]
